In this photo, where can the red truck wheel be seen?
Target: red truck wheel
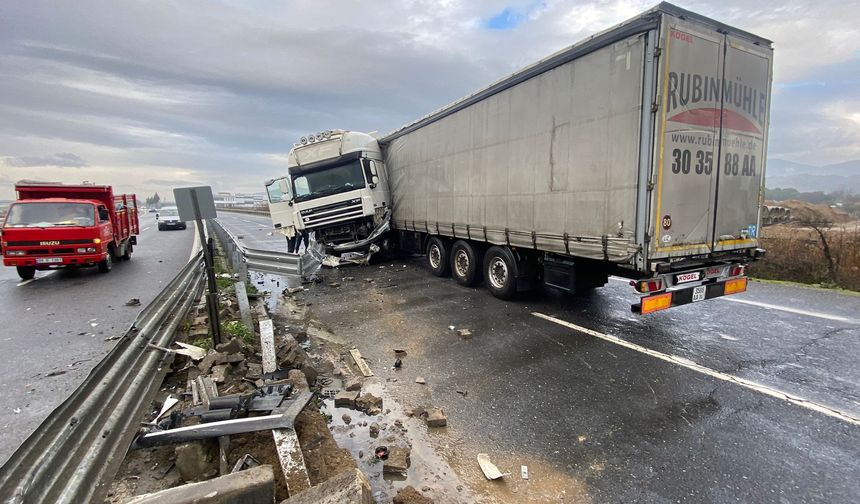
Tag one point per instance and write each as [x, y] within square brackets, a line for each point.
[26, 272]
[107, 264]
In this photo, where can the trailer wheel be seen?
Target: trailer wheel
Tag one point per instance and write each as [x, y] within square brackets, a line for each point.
[437, 257]
[500, 270]
[26, 272]
[128, 250]
[107, 265]
[465, 263]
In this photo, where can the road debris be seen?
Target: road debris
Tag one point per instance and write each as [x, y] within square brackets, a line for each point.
[345, 399]
[421, 381]
[57, 373]
[408, 495]
[381, 452]
[524, 472]
[17, 411]
[112, 338]
[133, 302]
[398, 363]
[398, 461]
[464, 333]
[463, 393]
[436, 418]
[369, 404]
[491, 472]
[246, 461]
[359, 361]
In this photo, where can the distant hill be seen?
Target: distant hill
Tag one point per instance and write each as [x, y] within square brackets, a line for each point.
[807, 178]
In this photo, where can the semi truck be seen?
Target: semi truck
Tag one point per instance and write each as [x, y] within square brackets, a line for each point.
[638, 152]
[54, 225]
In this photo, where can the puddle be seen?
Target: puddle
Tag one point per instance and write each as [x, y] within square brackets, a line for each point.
[428, 471]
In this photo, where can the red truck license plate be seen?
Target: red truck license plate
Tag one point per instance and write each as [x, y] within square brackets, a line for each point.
[48, 260]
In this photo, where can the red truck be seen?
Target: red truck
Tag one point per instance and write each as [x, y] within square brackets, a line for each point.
[54, 225]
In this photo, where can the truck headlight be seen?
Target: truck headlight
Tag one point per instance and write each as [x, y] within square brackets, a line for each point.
[15, 252]
[85, 250]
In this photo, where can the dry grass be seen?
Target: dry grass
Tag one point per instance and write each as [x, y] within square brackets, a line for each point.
[797, 254]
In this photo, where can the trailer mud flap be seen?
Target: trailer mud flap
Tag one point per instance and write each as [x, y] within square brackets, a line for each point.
[665, 300]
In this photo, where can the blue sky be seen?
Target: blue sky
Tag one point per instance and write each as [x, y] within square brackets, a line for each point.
[162, 93]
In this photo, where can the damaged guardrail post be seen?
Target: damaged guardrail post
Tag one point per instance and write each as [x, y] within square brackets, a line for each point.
[286, 440]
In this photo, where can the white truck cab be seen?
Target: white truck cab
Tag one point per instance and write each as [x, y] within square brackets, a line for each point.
[337, 187]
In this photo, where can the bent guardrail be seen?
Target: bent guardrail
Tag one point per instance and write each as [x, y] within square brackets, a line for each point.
[75, 453]
[243, 258]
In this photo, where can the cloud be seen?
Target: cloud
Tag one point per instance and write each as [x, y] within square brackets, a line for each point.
[65, 159]
[221, 90]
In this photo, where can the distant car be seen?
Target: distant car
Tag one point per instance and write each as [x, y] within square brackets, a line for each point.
[168, 218]
[152, 210]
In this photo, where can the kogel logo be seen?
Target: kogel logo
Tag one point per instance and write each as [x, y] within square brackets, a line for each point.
[699, 98]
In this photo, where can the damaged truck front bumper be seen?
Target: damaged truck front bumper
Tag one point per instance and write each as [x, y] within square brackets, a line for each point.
[363, 245]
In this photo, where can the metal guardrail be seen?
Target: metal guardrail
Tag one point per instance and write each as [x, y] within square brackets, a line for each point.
[243, 258]
[75, 453]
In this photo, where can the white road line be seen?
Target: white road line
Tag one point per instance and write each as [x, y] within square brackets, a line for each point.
[768, 306]
[146, 229]
[688, 364]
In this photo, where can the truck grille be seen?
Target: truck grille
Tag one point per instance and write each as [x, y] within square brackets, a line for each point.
[332, 213]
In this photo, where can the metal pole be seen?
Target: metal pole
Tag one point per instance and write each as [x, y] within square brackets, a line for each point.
[212, 294]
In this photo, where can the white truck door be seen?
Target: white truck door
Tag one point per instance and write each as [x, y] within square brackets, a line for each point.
[280, 198]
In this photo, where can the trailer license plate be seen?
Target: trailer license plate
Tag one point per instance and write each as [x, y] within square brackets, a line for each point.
[699, 293]
[688, 277]
[49, 260]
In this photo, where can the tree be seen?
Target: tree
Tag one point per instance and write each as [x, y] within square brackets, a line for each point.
[153, 201]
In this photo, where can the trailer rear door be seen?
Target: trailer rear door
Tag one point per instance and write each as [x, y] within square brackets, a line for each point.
[744, 143]
[711, 141]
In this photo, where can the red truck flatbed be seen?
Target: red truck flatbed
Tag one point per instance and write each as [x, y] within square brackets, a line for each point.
[53, 225]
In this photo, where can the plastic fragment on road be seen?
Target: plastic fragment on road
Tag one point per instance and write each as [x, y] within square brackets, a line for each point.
[491, 472]
[169, 403]
[524, 472]
[359, 361]
[192, 351]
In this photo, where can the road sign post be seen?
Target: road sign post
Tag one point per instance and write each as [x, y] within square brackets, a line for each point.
[197, 203]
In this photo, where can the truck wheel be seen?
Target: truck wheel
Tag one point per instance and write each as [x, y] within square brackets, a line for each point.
[106, 265]
[500, 270]
[128, 250]
[26, 272]
[465, 263]
[437, 257]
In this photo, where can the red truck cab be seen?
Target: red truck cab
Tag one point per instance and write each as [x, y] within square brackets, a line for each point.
[53, 225]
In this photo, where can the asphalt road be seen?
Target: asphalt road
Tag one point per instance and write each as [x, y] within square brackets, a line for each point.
[54, 329]
[605, 406]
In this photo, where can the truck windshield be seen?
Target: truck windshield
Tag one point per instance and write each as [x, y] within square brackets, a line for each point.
[330, 180]
[50, 215]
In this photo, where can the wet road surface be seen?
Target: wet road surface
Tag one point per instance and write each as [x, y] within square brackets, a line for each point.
[598, 421]
[53, 330]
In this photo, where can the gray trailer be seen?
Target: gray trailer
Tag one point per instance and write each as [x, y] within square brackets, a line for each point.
[638, 152]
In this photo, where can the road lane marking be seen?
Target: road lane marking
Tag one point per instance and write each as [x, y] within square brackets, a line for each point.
[688, 364]
[796, 311]
[146, 229]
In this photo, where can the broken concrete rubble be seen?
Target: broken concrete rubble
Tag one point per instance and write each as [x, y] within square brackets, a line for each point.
[348, 487]
[220, 373]
[252, 486]
[233, 346]
[398, 461]
[196, 459]
[353, 385]
[345, 400]
[408, 495]
[436, 418]
[373, 430]
[369, 404]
